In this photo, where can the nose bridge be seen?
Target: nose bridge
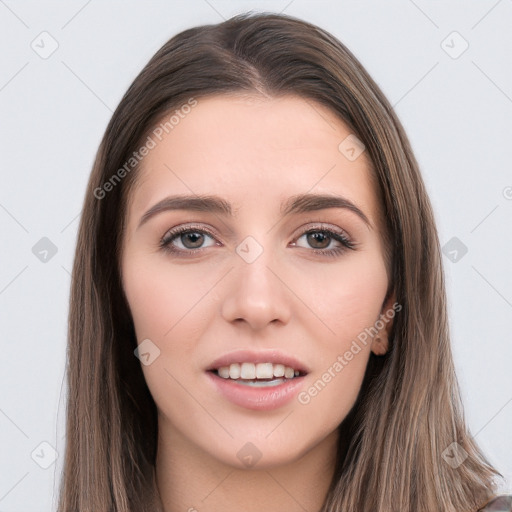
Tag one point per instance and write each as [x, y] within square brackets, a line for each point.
[256, 295]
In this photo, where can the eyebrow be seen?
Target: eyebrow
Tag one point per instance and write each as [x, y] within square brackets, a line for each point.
[301, 203]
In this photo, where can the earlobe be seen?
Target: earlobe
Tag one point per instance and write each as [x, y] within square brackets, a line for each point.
[380, 345]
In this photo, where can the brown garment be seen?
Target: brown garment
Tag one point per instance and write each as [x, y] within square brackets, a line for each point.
[499, 504]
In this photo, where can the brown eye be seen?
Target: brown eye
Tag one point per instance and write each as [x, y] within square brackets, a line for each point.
[318, 239]
[192, 239]
[186, 240]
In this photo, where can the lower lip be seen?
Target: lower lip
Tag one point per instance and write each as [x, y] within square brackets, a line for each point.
[258, 399]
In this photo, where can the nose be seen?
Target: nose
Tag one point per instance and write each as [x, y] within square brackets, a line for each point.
[257, 294]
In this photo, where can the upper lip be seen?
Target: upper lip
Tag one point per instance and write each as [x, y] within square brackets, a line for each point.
[273, 356]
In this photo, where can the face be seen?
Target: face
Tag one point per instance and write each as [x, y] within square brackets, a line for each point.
[243, 279]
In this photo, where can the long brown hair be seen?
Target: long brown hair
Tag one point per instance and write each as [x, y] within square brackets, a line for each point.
[392, 443]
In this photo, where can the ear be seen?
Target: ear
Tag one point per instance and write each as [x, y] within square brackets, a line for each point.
[380, 343]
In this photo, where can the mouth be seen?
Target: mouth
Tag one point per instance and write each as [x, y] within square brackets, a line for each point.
[261, 380]
[264, 374]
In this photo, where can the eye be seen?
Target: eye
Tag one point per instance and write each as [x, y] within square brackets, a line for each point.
[326, 241]
[189, 240]
[186, 239]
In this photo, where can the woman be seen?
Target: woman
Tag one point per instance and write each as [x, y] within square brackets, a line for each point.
[221, 354]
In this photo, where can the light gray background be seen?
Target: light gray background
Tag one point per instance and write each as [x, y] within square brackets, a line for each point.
[53, 111]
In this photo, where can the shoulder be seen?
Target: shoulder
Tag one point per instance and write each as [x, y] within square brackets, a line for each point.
[499, 504]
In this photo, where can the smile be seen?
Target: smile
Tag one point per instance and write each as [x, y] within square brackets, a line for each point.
[259, 374]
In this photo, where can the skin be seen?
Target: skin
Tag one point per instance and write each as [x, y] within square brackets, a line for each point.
[254, 152]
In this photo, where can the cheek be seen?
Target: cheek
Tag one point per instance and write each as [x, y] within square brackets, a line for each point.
[169, 308]
[349, 303]
[160, 299]
[348, 299]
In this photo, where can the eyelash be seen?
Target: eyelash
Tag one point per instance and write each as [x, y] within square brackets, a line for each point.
[171, 235]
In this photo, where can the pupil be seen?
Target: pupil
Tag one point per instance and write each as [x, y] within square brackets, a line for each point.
[316, 237]
[195, 238]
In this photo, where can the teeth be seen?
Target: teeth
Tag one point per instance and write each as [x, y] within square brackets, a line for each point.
[251, 371]
[248, 371]
[234, 371]
[289, 373]
[224, 372]
[264, 370]
[279, 370]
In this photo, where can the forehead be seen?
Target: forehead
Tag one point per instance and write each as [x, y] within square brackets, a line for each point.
[257, 151]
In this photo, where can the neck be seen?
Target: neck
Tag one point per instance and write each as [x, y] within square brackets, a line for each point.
[190, 479]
